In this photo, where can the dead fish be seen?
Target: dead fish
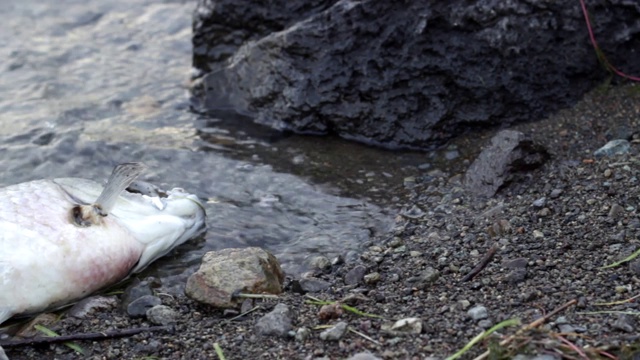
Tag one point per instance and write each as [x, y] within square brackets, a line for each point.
[63, 239]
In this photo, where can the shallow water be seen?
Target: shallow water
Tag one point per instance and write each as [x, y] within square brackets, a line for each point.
[85, 85]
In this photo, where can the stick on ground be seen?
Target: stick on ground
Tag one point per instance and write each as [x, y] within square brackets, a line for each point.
[483, 263]
[85, 336]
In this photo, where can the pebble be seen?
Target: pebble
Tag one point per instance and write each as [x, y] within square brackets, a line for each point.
[555, 193]
[478, 312]
[411, 325]
[519, 263]
[302, 334]
[162, 315]
[355, 275]
[537, 234]
[540, 203]
[275, 323]
[613, 147]
[139, 307]
[320, 263]
[516, 276]
[335, 332]
[363, 356]
[426, 278]
[464, 304]
[625, 323]
[372, 278]
[566, 328]
[313, 285]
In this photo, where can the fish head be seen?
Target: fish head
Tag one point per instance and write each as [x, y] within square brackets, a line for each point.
[159, 220]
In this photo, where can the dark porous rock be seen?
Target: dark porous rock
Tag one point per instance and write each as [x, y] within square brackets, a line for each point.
[508, 158]
[224, 273]
[402, 74]
[275, 323]
[355, 275]
[634, 266]
[139, 307]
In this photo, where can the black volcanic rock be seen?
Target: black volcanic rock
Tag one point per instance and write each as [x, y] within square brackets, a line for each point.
[408, 74]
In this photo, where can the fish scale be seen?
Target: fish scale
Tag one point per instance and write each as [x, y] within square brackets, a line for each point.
[47, 261]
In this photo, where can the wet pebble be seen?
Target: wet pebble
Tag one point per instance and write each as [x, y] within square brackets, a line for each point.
[335, 332]
[355, 275]
[478, 312]
[275, 323]
[162, 315]
[139, 307]
[320, 263]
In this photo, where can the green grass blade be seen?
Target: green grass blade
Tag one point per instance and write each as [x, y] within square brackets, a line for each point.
[48, 332]
[482, 335]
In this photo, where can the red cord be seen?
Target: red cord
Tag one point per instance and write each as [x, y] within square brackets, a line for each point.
[595, 46]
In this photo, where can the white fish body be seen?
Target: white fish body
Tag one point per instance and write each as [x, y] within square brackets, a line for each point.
[46, 260]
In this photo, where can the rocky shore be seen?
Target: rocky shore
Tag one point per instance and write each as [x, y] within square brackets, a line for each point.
[538, 244]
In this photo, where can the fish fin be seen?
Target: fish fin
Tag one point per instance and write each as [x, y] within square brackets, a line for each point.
[121, 177]
[5, 314]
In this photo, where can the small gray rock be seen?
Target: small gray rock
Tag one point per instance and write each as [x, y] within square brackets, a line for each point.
[363, 356]
[625, 323]
[320, 263]
[516, 276]
[555, 193]
[355, 275]
[162, 315]
[302, 334]
[334, 333]
[139, 307]
[372, 278]
[404, 326]
[519, 263]
[426, 278]
[613, 147]
[566, 328]
[540, 203]
[275, 323]
[478, 312]
[313, 285]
